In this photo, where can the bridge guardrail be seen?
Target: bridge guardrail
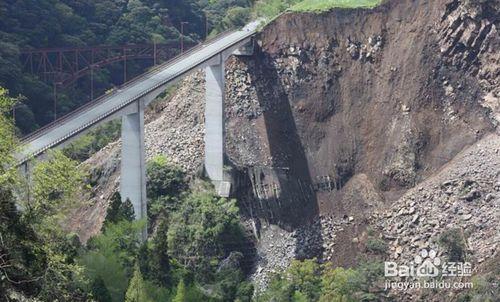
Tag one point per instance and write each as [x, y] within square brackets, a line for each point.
[100, 99]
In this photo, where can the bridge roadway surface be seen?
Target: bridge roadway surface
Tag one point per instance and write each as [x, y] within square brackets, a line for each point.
[104, 107]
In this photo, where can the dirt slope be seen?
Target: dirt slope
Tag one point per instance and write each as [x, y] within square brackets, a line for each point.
[391, 93]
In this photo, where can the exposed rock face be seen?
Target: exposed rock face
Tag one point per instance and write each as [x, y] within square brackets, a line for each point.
[370, 103]
[469, 42]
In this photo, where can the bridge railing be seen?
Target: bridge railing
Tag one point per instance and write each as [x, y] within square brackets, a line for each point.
[135, 80]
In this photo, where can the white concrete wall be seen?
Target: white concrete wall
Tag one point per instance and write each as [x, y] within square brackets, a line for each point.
[214, 122]
[133, 169]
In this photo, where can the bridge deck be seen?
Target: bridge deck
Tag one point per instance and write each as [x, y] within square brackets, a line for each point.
[97, 111]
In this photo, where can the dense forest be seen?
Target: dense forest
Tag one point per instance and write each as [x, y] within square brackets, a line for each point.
[35, 24]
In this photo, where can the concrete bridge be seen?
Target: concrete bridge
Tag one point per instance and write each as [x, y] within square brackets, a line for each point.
[128, 103]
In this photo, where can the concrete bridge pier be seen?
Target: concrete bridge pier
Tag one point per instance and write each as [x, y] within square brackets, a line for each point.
[133, 169]
[214, 126]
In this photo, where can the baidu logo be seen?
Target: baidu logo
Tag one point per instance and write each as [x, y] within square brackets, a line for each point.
[427, 264]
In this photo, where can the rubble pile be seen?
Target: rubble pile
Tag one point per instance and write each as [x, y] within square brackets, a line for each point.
[276, 247]
[464, 195]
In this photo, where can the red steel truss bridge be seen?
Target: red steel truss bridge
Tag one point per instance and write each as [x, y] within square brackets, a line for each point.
[65, 65]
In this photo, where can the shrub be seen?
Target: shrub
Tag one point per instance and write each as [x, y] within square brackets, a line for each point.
[88, 144]
[205, 228]
[376, 245]
[454, 242]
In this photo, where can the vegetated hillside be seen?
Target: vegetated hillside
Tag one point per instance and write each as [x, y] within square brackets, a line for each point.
[354, 127]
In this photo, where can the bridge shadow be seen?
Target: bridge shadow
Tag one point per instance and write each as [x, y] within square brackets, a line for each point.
[281, 192]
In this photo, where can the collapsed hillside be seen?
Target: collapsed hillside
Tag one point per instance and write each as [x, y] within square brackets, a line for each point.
[376, 91]
[346, 120]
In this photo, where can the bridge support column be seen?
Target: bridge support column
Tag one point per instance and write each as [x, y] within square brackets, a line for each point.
[214, 126]
[133, 169]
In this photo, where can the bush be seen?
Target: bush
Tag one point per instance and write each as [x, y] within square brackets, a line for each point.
[165, 185]
[205, 228]
[376, 245]
[90, 143]
[308, 281]
[454, 242]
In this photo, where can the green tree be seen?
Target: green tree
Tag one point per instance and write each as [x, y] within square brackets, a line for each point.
[37, 255]
[118, 210]
[236, 17]
[137, 291]
[113, 212]
[345, 285]
[201, 230]
[22, 258]
[99, 291]
[340, 284]
[8, 173]
[163, 178]
[154, 259]
[105, 266]
[180, 294]
[138, 24]
[305, 277]
[302, 280]
[56, 182]
[165, 185]
[127, 210]
[111, 256]
[279, 289]
[299, 297]
[230, 283]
